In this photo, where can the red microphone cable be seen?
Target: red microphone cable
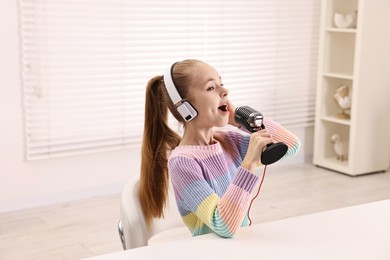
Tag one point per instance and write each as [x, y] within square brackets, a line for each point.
[258, 191]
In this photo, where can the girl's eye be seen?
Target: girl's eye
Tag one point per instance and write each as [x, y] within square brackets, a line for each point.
[210, 88]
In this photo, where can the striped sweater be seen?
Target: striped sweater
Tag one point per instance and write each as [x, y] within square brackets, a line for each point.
[212, 190]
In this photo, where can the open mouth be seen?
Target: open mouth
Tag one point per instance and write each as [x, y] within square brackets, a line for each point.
[223, 108]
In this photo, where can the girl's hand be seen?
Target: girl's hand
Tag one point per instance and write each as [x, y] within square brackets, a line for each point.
[257, 143]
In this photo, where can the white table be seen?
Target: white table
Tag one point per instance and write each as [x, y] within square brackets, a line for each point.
[357, 232]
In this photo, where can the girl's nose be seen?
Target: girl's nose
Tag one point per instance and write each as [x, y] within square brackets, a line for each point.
[224, 92]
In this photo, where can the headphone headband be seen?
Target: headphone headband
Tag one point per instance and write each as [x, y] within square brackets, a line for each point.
[186, 110]
[172, 91]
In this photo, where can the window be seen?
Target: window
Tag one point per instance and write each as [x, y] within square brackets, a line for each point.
[85, 64]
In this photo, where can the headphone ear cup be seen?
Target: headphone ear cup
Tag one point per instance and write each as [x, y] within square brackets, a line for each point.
[187, 111]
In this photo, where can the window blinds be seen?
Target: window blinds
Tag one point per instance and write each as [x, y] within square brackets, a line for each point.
[85, 63]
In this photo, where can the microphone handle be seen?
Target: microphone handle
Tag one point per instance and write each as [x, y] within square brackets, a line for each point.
[273, 153]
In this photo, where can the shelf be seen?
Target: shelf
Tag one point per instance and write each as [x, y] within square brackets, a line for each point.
[340, 75]
[339, 6]
[355, 57]
[340, 48]
[334, 119]
[340, 30]
[333, 164]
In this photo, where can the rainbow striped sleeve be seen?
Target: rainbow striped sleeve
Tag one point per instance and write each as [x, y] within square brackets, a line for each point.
[202, 210]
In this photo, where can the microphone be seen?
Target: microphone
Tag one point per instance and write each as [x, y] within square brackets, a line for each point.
[252, 120]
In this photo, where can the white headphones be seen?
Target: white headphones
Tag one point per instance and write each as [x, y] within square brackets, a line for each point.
[186, 110]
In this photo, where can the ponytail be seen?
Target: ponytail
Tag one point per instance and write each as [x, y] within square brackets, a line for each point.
[158, 140]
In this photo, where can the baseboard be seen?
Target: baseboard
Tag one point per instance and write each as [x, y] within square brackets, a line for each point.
[61, 197]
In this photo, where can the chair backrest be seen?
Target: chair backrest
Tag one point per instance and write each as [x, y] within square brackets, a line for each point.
[135, 232]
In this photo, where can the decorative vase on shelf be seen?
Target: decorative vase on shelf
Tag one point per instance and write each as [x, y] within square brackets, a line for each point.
[345, 21]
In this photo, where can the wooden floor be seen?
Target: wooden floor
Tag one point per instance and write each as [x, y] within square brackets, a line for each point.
[86, 228]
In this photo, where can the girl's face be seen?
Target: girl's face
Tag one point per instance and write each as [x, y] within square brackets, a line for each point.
[209, 97]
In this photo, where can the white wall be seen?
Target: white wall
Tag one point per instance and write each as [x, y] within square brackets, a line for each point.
[29, 184]
[25, 184]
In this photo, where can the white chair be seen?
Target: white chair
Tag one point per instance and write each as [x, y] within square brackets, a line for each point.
[132, 227]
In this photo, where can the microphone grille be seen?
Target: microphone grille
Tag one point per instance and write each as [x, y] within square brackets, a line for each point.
[245, 111]
[242, 116]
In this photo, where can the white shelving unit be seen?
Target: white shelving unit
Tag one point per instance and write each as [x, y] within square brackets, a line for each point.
[357, 56]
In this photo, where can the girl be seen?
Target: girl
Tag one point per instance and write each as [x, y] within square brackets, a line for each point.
[212, 172]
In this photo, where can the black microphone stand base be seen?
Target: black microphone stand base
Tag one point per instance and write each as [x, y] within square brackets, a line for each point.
[273, 152]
